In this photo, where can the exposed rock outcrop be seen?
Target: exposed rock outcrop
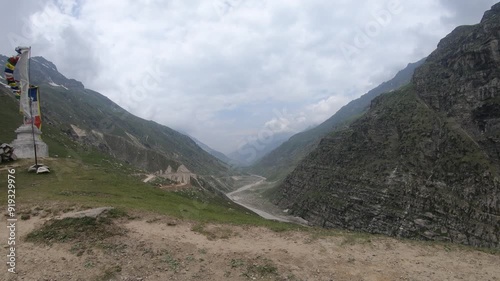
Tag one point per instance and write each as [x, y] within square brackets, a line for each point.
[424, 161]
[7, 153]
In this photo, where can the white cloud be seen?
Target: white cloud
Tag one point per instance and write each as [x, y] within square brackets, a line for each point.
[219, 69]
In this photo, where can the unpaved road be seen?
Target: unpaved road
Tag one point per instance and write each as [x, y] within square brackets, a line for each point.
[148, 178]
[158, 248]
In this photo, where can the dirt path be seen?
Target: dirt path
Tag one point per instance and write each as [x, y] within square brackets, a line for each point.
[148, 178]
[162, 248]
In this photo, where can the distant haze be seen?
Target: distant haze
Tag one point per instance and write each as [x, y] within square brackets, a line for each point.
[230, 71]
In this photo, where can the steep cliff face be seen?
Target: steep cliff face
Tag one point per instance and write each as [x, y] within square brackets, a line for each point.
[424, 161]
[462, 80]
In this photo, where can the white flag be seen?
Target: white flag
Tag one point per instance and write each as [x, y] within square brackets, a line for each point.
[24, 80]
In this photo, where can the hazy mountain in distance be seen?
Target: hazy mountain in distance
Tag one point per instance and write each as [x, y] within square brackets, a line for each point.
[254, 150]
[279, 162]
[219, 155]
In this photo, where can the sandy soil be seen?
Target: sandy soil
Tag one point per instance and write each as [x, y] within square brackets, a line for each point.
[162, 248]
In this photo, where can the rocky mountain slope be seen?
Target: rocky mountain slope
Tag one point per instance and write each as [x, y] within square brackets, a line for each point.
[424, 161]
[282, 160]
[72, 111]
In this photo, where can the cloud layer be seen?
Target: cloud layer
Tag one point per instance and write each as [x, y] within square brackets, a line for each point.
[223, 70]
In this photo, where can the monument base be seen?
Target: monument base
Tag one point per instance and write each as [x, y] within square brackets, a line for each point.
[23, 144]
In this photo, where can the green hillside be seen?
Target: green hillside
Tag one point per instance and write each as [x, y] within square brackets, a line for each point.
[109, 128]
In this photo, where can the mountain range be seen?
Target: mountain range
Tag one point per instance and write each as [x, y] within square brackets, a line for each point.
[76, 118]
[418, 156]
[281, 161]
[424, 161]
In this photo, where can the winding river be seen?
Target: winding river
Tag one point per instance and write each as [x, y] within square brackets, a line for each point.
[238, 200]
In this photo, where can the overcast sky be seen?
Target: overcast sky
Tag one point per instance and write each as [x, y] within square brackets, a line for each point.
[227, 71]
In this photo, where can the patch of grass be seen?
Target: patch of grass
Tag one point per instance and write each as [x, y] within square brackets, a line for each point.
[89, 264]
[283, 227]
[116, 187]
[260, 268]
[491, 251]
[25, 217]
[237, 263]
[109, 273]
[172, 262]
[213, 232]
[83, 193]
[74, 229]
[10, 118]
[354, 239]
[116, 213]
[199, 227]
[111, 247]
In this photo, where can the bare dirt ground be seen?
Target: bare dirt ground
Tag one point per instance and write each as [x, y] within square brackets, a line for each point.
[154, 247]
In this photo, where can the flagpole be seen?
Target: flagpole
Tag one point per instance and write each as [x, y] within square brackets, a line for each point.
[33, 131]
[31, 108]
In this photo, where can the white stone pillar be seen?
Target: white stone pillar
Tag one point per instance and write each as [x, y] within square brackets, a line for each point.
[23, 144]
